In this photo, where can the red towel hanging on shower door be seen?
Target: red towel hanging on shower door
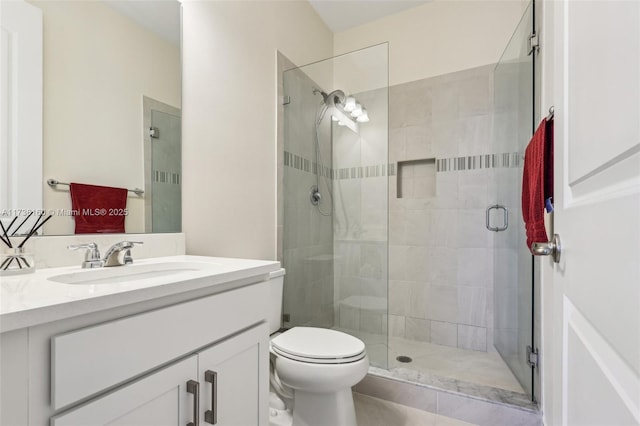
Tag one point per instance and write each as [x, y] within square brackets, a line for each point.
[537, 182]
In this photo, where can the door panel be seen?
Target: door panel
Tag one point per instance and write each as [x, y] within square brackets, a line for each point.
[158, 411]
[597, 97]
[596, 285]
[242, 388]
[158, 399]
[588, 352]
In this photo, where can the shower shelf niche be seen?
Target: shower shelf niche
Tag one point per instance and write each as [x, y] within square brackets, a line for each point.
[417, 178]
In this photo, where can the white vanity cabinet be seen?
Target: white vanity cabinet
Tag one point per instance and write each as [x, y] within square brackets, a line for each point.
[219, 385]
[195, 353]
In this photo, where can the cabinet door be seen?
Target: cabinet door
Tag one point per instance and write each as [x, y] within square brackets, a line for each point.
[234, 377]
[158, 399]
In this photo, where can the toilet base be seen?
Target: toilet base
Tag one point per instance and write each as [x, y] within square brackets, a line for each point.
[280, 417]
[324, 409]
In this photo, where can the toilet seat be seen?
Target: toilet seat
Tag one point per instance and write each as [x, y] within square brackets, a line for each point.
[318, 346]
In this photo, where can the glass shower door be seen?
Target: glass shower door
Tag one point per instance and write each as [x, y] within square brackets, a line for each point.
[166, 173]
[335, 197]
[513, 264]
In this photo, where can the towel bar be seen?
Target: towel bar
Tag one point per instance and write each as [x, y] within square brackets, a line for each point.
[53, 182]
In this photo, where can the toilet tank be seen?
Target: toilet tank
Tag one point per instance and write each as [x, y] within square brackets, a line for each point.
[276, 287]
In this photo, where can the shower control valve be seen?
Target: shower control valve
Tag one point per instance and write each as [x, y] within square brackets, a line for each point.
[314, 195]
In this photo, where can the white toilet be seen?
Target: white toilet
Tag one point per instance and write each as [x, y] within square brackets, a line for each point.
[313, 370]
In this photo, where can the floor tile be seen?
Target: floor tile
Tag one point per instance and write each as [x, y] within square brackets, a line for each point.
[378, 412]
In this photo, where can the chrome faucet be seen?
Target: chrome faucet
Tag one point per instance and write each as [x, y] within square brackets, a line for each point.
[91, 257]
[120, 253]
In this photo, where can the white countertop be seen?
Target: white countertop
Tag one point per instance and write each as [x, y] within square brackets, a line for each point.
[32, 299]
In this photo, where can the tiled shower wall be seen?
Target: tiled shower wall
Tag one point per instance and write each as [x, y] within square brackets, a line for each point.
[307, 235]
[440, 252]
[360, 223]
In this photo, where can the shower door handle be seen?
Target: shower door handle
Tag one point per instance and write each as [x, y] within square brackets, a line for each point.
[506, 218]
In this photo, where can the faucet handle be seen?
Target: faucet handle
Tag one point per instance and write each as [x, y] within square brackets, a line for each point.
[92, 250]
[127, 254]
[91, 257]
[122, 245]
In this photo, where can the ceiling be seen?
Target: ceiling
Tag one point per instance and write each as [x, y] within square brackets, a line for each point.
[340, 15]
[161, 17]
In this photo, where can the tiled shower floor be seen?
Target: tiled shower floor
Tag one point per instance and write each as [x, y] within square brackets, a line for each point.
[482, 368]
[440, 365]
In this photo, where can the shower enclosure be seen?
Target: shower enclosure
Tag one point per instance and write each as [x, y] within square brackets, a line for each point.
[335, 196]
[162, 166]
[514, 123]
[384, 216]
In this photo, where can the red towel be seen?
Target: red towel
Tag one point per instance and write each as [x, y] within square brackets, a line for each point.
[98, 209]
[537, 182]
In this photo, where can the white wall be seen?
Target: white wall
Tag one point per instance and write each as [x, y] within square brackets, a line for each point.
[439, 37]
[229, 118]
[97, 66]
[229, 96]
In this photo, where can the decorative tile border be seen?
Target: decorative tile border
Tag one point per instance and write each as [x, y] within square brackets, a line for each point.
[453, 164]
[166, 177]
[303, 164]
[475, 162]
[361, 172]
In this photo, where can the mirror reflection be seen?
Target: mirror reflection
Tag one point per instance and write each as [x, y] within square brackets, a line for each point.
[111, 114]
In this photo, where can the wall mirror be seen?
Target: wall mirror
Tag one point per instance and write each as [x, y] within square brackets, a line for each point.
[111, 99]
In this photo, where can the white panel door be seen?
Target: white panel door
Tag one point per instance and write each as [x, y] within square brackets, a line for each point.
[238, 394]
[20, 107]
[596, 286]
[160, 399]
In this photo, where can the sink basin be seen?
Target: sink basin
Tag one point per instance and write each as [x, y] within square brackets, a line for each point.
[128, 273]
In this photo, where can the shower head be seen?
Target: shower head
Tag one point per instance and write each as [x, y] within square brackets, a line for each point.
[334, 102]
[337, 97]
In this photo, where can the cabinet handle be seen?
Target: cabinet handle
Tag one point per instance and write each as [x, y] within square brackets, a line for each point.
[194, 388]
[211, 416]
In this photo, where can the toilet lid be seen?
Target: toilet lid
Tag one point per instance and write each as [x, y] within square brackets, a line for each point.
[318, 344]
